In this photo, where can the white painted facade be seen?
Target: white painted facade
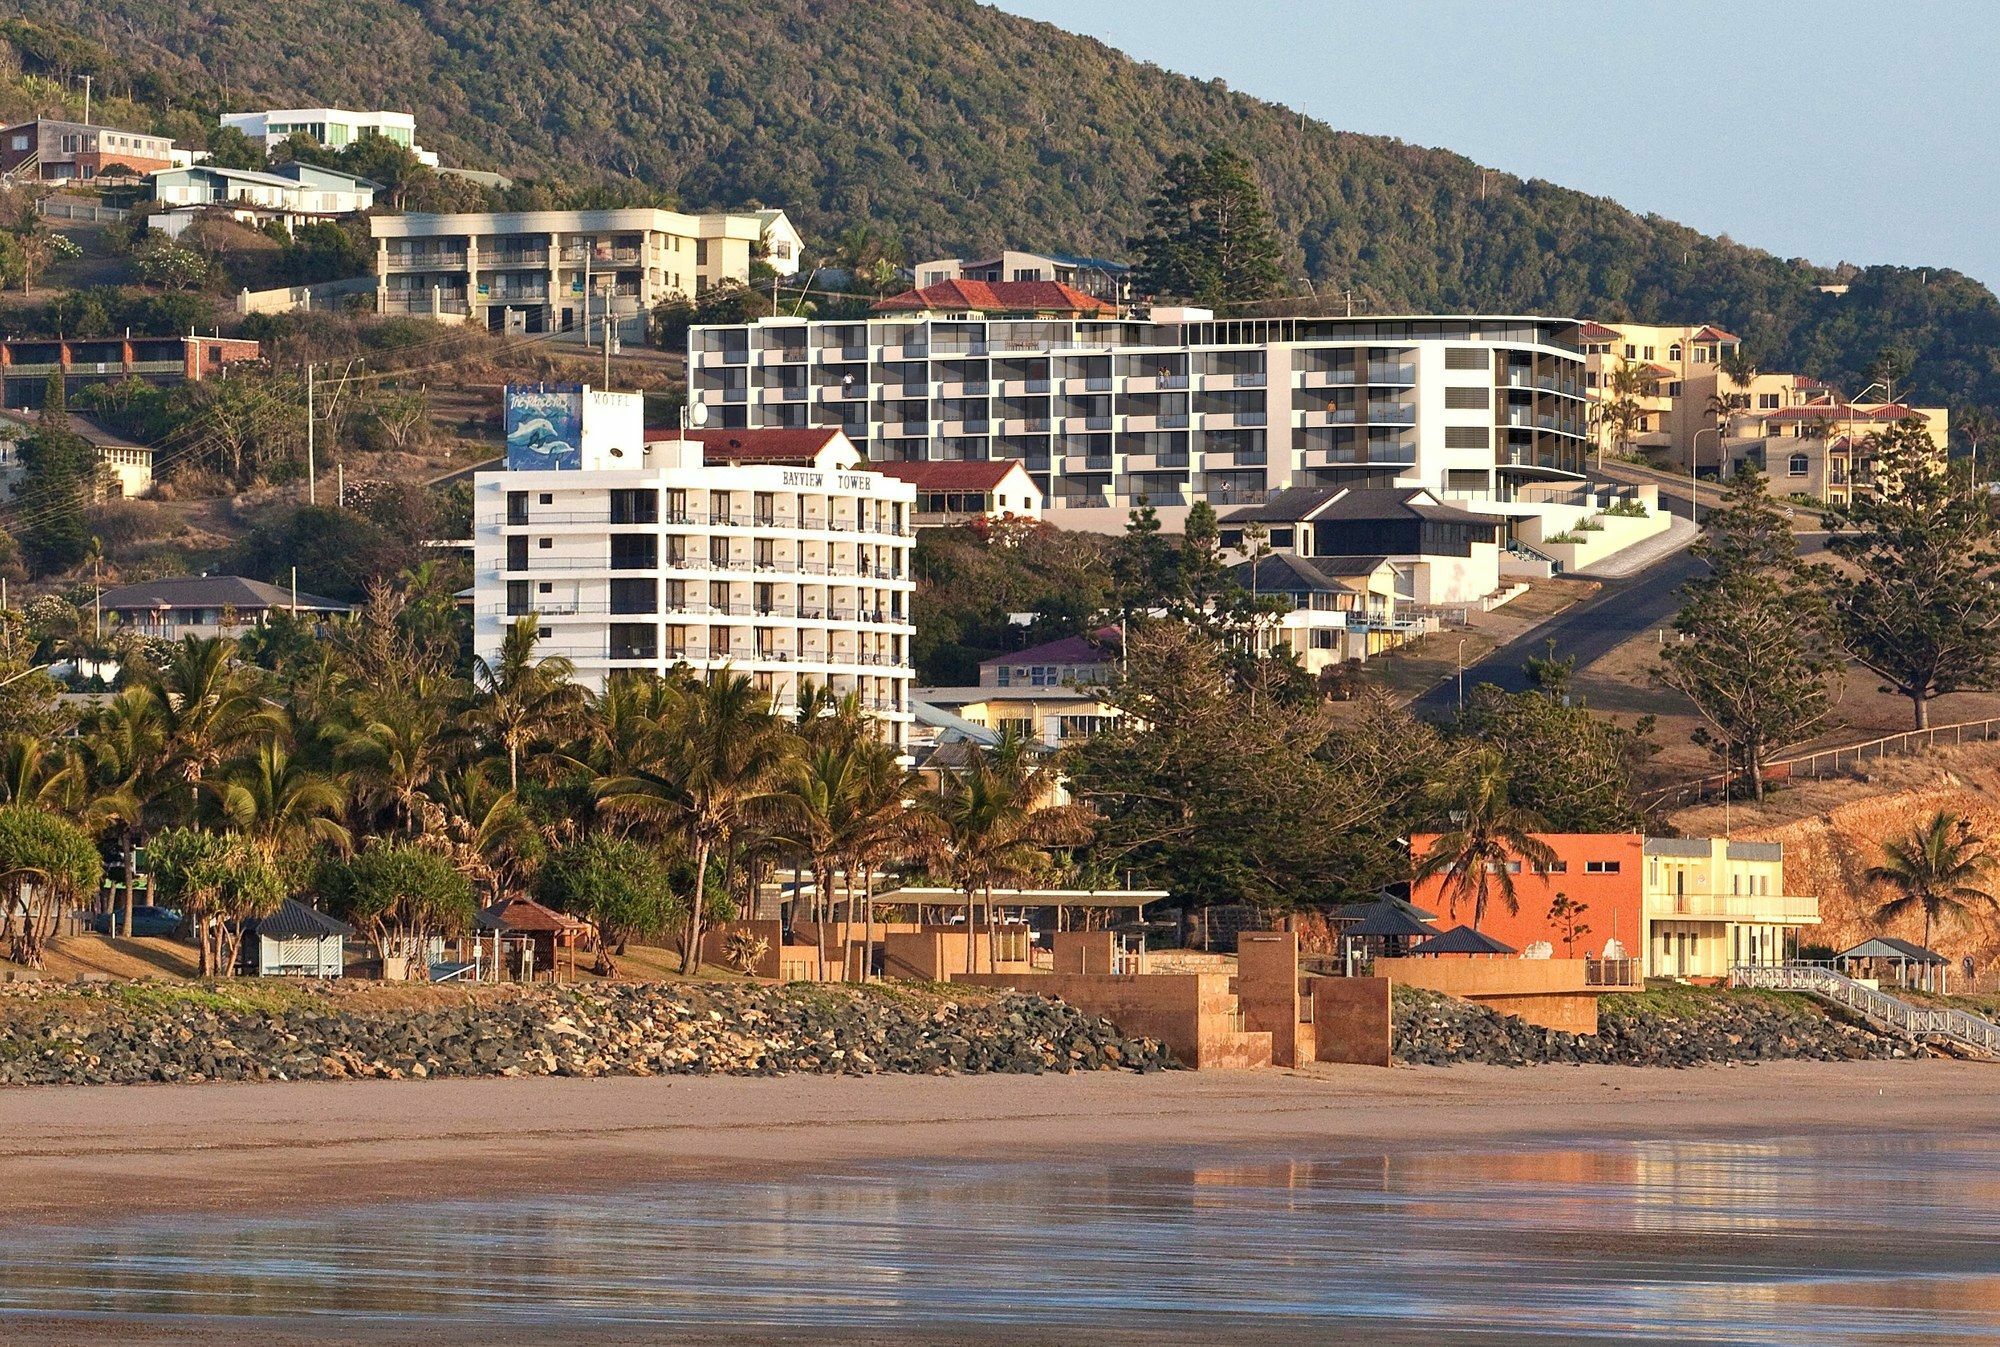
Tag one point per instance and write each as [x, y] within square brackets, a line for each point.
[789, 572]
[1487, 412]
[335, 128]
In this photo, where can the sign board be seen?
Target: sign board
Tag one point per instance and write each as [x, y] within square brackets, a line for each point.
[544, 427]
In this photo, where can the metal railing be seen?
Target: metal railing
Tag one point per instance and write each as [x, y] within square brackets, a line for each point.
[1826, 762]
[1611, 972]
[1918, 1023]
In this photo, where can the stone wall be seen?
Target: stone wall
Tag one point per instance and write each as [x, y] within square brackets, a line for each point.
[137, 1034]
[1705, 1029]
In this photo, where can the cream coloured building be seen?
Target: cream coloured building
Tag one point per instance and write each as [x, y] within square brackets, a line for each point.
[530, 271]
[778, 554]
[1803, 434]
[1709, 904]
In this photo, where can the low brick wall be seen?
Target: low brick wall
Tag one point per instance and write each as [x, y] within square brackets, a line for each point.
[1351, 1020]
[1189, 1012]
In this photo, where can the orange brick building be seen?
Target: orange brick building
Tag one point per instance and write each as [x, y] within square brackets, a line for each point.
[1603, 871]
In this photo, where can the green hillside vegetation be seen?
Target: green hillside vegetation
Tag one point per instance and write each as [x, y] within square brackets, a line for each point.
[949, 126]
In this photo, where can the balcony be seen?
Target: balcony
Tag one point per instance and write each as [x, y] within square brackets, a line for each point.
[427, 261]
[1778, 909]
[1379, 373]
[499, 261]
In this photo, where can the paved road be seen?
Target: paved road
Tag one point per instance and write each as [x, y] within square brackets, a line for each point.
[1590, 631]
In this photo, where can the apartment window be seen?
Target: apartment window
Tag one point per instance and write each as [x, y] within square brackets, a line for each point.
[635, 640]
[635, 507]
[1590, 379]
[546, 498]
[635, 551]
[518, 602]
[517, 507]
[701, 252]
[517, 554]
[1553, 868]
[545, 544]
[1631, 352]
[1674, 352]
[1703, 356]
[634, 596]
[1798, 465]
[1283, 537]
[1467, 437]
[1466, 357]
[1602, 867]
[1767, 402]
[1468, 399]
[1674, 388]
[1649, 353]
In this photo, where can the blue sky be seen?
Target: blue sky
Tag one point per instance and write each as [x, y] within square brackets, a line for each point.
[1836, 130]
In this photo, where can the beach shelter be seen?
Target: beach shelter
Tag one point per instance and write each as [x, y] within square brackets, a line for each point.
[530, 937]
[296, 941]
[1876, 955]
[1462, 940]
[1389, 920]
[1358, 911]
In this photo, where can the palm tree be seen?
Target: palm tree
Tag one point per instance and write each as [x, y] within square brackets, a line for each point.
[1975, 425]
[207, 706]
[403, 744]
[491, 837]
[124, 749]
[1480, 834]
[984, 826]
[842, 808]
[279, 805]
[1741, 370]
[1935, 870]
[522, 699]
[723, 760]
[1620, 413]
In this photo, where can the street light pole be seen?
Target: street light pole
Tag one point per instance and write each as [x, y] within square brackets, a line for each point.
[1461, 675]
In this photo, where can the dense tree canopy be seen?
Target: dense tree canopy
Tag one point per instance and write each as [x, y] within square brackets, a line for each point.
[972, 128]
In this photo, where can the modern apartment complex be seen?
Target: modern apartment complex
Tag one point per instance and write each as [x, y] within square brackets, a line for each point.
[773, 553]
[335, 128]
[1699, 404]
[1486, 412]
[556, 271]
[1688, 906]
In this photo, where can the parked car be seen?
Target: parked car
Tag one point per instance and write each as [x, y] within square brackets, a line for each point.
[145, 921]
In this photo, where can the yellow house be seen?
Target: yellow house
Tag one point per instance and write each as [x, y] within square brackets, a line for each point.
[1051, 715]
[1708, 904]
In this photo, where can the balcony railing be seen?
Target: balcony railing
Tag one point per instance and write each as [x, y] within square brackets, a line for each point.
[1777, 908]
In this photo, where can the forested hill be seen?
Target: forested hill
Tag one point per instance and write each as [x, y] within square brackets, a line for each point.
[951, 126]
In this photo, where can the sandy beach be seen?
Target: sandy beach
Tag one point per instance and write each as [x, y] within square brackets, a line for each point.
[82, 1154]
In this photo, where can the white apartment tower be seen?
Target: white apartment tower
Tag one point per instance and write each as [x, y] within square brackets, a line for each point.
[773, 553]
[1488, 413]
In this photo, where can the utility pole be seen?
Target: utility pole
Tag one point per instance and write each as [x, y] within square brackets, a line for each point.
[86, 100]
[312, 471]
[607, 339]
[340, 485]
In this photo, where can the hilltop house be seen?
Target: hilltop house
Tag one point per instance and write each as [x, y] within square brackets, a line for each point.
[51, 150]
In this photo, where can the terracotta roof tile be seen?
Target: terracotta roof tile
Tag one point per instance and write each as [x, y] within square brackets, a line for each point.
[997, 297]
[775, 445]
[952, 476]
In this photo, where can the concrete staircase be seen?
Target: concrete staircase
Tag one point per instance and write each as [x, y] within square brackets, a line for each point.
[1906, 1019]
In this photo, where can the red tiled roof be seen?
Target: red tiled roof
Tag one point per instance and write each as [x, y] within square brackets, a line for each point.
[1597, 332]
[1100, 647]
[1659, 371]
[754, 446]
[996, 297]
[954, 476]
[1713, 333]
